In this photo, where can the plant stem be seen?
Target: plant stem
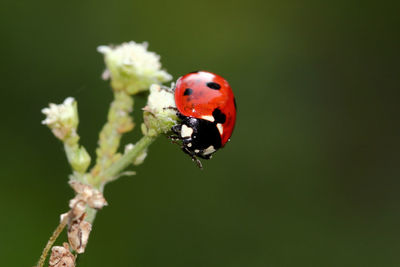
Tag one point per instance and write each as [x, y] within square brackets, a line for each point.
[52, 239]
[125, 160]
[117, 168]
[118, 122]
[129, 157]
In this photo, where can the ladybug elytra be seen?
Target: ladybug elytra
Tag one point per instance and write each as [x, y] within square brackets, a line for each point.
[206, 108]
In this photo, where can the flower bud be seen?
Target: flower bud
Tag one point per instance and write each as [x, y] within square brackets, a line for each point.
[160, 111]
[78, 157]
[132, 68]
[62, 119]
[78, 235]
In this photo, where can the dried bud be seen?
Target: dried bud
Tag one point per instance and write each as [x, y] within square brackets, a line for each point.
[97, 200]
[78, 186]
[132, 68]
[78, 234]
[62, 119]
[78, 208]
[89, 195]
[61, 257]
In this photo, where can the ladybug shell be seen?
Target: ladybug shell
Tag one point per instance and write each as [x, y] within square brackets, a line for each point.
[200, 94]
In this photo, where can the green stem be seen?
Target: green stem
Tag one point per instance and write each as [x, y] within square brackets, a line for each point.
[129, 157]
[118, 167]
[119, 122]
[124, 161]
[90, 214]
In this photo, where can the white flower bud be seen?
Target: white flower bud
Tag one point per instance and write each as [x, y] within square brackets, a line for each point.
[62, 119]
[160, 111]
[132, 68]
[161, 100]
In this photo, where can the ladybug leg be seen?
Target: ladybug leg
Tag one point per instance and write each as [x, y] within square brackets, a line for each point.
[198, 162]
[171, 108]
[177, 129]
[194, 158]
[174, 139]
[166, 88]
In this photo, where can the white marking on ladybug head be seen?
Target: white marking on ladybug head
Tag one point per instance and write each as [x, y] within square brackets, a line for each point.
[209, 150]
[220, 128]
[189, 145]
[208, 118]
[186, 131]
[196, 151]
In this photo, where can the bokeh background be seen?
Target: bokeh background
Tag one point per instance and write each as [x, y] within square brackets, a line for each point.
[311, 176]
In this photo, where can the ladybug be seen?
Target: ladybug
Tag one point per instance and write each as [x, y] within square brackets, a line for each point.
[206, 108]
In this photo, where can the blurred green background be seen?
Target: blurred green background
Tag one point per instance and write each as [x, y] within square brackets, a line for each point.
[311, 176]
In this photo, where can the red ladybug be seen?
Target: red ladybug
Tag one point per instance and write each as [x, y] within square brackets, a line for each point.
[207, 111]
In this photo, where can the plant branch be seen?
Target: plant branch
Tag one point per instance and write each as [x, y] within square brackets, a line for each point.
[119, 122]
[132, 69]
[129, 157]
[115, 169]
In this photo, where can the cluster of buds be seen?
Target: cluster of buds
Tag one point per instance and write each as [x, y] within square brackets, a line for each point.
[160, 111]
[132, 67]
[62, 119]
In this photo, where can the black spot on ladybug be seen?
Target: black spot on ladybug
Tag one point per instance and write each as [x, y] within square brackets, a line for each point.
[219, 116]
[188, 91]
[214, 85]
[234, 102]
